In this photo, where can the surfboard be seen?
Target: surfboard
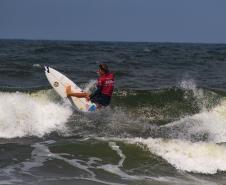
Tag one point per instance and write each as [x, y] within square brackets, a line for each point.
[59, 82]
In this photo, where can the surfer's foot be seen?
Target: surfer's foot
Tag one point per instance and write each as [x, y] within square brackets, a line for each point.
[68, 90]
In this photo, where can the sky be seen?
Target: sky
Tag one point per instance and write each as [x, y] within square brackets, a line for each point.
[196, 21]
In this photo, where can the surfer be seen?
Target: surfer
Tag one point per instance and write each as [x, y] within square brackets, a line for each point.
[104, 88]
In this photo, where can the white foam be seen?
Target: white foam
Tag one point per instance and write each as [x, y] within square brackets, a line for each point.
[119, 152]
[26, 115]
[212, 123]
[41, 153]
[201, 157]
[116, 169]
[218, 128]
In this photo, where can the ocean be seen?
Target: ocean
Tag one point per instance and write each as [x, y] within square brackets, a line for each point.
[166, 124]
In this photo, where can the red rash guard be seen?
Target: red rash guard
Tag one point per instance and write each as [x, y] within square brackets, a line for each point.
[106, 84]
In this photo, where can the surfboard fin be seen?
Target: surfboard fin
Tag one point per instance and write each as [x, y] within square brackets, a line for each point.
[92, 108]
[47, 69]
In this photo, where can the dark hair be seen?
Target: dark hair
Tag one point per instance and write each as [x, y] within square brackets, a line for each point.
[104, 67]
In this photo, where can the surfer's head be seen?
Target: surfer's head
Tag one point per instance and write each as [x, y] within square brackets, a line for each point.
[103, 69]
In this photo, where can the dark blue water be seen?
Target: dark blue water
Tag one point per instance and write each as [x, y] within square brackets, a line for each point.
[137, 65]
[166, 123]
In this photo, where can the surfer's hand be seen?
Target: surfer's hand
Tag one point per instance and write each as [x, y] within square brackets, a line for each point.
[68, 90]
[87, 97]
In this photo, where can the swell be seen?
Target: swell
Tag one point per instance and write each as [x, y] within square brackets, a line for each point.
[132, 112]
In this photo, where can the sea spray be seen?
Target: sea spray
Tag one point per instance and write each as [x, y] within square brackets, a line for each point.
[23, 115]
[90, 86]
[204, 99]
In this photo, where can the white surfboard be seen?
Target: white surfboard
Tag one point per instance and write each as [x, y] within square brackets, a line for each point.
[59, 82]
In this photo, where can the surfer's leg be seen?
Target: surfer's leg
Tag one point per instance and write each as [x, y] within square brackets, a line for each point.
[69, 92]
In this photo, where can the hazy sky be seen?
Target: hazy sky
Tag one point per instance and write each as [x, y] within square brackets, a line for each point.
[115, 20]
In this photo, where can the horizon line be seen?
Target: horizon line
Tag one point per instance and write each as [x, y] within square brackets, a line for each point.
[116, 41]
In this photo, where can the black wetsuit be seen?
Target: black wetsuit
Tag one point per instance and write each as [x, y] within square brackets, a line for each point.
[99, 98]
